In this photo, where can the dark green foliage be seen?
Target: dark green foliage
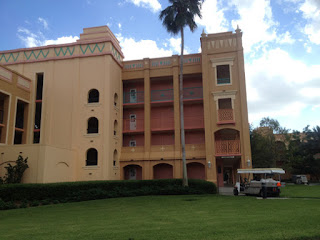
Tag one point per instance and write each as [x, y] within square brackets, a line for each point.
[45, 202]
[14, 173]
[274, 125]
[7, 205]
[24, 204]
[34, 204]
[302, 150]
[82, 191]
[181, 14]
[263, 149]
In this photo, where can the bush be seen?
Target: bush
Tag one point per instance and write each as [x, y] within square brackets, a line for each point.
[7, 205]
[14, 173]
[82, 191]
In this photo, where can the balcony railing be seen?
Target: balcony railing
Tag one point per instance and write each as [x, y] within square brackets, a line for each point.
[227, 147]
[133, 126]
[160, 124]
[225, 115]
[192, 93]
[162, 95]
[193, 122]
[133, 97]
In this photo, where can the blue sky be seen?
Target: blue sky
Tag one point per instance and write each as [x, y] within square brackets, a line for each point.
[281, 41]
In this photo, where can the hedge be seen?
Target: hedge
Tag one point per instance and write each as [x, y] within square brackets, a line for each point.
[82, 191]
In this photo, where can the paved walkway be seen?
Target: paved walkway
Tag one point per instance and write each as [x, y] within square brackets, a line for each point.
[226, 191]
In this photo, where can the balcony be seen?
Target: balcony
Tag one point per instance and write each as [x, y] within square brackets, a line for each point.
[192, 93]
[193, 122]
[162, 124]
[130, 126]
[227, 148]
[225, 116]
[162, 95]
[133, 98]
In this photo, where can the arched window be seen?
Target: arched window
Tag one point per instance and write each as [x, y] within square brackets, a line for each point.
[115, 157]
[115, 100]
[115, 127]
[92, 157]
[93, 125]
[93, 96]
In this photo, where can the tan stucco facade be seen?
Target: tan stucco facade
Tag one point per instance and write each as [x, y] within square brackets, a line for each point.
[95, 61]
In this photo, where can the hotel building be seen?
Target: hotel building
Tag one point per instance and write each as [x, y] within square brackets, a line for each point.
[79, 112]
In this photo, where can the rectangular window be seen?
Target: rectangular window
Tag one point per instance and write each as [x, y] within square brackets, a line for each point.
[38, 105]
[223, 74]
[132, 143]
[21, 123]
[225, 103]
[4, 106]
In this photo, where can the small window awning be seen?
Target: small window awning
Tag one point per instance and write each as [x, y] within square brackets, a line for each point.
[262, 170]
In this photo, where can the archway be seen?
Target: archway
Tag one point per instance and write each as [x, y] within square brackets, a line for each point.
[196, 170]
[162, 171]
[132, 172]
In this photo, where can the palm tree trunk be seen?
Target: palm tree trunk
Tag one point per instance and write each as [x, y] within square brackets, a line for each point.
[183, 144]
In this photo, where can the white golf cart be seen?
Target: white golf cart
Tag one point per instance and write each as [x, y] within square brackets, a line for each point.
[259, 181]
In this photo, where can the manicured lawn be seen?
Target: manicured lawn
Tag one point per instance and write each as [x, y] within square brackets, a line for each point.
[301, 191]
[167, 217]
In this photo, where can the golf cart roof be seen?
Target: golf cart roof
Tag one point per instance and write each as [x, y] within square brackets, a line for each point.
[262, 170]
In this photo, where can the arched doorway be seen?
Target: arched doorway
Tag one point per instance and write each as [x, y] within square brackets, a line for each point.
[132, 172]
[196, 170]
[162, 171]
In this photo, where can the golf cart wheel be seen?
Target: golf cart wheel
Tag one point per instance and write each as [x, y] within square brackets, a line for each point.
[299, 181]
[235, 192]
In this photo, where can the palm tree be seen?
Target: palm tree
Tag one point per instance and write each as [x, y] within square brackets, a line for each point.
[175, 17]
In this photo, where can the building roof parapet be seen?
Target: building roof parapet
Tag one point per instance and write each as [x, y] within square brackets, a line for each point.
[98, 45]
[164, 62]
[221, 42]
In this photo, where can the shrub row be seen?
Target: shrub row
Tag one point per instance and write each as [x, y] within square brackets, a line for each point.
[82, 191]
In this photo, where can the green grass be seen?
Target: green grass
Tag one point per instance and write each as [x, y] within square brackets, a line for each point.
[301, 191]
[167, 217]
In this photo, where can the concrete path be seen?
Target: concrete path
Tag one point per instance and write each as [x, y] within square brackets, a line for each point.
[226, 191]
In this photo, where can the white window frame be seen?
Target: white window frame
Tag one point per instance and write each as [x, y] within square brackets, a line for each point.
[222, 61]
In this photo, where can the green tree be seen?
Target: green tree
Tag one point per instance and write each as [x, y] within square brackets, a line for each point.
[175, 18]
[262, 149]
[302, 151]
[274, 125]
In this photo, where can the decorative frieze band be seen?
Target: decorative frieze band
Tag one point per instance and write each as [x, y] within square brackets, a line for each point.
[60, 52]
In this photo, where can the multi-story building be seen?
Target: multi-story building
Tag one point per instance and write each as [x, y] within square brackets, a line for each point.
[79, 112]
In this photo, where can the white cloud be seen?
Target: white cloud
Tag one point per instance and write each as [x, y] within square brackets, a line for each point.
[212, 18]
[285, 38]
[175, 45]
[311, 12]
[120, 26]
[153, 5]
[256, 21]
[44, 22]
[34, 40]
[133, 49]
[28, 38]
[278, 85]
[307, 47]
[62, 40]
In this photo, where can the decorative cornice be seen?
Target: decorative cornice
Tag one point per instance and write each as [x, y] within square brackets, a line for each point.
[222, 61]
